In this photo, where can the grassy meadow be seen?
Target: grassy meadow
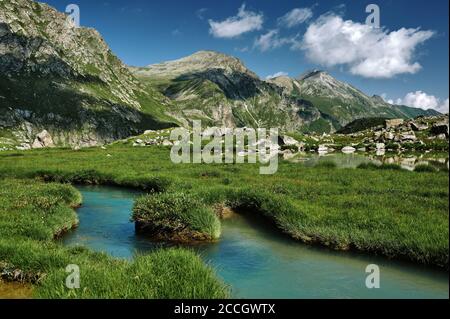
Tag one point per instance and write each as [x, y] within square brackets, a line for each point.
[33, 213]
[378, 210]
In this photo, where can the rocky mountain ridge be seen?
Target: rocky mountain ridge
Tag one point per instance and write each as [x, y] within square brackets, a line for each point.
[221, 91]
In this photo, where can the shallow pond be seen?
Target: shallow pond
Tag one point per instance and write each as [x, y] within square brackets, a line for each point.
[254, 259]
[406, 161]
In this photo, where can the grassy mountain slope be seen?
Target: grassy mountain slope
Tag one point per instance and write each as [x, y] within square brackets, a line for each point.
[66, 80]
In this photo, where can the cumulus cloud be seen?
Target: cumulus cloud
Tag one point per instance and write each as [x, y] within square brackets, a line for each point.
[295, 17]
[422, 100]
[367, 51]
[245, 21]
[272, 40]
[278, 74]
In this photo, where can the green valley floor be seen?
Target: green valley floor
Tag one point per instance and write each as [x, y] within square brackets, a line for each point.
[376, 210]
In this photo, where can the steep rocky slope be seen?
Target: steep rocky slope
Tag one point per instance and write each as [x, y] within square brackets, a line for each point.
[63, 79]
[339, 102]
[220, 90]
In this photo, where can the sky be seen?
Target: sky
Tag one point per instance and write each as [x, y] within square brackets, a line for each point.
[404, 58]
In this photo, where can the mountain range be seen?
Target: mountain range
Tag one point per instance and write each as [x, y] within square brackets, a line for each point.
[66, 80]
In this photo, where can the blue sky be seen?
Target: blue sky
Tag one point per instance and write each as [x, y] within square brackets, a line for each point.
[407, 60]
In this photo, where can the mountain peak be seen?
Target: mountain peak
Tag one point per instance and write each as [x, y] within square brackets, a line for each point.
[378, 99]
[198, 62]
[313, 74]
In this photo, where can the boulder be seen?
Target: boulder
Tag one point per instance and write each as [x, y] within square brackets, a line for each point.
[289, 141]
[408, 136]
[440, 128]
[394, 123]
[389, 136]
[348, 150]
[380, 146]
[42, 140]
[418, 127]
[322, 149]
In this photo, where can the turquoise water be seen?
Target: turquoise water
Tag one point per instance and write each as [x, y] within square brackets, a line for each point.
[255, 260]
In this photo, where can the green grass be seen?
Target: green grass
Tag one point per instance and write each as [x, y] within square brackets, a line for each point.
[383, 210]
[425, 169]
[32, 213]
[176, 215]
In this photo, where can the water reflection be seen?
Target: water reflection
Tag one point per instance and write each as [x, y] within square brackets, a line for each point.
[353, 160]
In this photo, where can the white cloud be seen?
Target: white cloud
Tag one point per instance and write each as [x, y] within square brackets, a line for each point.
[278, 74]
[422, 100]
[272, 40]
[367, 51]
[295, 17]
[444, 107]
[245, 21]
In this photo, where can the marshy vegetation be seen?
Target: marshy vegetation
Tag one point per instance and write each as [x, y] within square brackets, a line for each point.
[381, 210]
[32, 213]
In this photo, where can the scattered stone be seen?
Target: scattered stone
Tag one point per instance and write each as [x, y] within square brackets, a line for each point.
[23, 147]
[389, 136]
[409, 136]
[349, 150]
[322, 149]
[394, 123]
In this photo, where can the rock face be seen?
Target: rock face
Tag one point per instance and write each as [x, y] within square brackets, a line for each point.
[43, 139]
[65, 79]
